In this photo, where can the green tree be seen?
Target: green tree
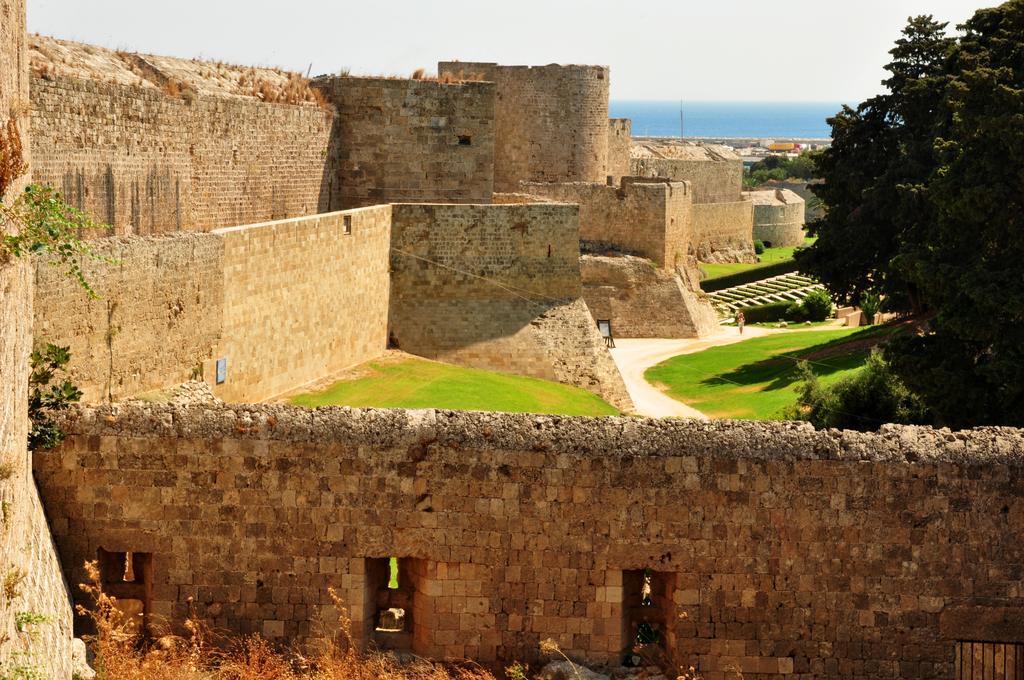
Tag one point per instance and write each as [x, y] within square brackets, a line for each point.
[48, 396]
[924, 192]
[970, 265]
[875, 172]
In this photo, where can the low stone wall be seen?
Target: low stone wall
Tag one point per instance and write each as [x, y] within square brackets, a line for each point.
[723, 232]
[642, 301]
[773, 549]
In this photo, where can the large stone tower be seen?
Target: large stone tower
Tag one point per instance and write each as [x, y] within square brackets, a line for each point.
[551, 122]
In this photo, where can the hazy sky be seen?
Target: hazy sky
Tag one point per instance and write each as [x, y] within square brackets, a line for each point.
[787, 50]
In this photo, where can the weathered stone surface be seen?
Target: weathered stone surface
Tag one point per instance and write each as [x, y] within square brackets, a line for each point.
[551, 122]
[778, 217]
[783, 541]
[28, 560]
[643, 301]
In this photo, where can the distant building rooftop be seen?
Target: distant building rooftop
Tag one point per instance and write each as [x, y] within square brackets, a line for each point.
[684, 151]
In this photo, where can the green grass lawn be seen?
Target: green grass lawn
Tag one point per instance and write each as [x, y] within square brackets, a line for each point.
[756, 379]
[769, 257]
[417, 383]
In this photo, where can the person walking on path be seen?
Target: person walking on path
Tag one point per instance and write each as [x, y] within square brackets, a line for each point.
[740, 320]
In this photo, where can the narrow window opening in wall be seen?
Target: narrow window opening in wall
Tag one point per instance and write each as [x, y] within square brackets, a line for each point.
[346, 221]
[465, 140]
[647, 613]
[983, 660]
[390, 601]
[128, 577]
[549, 250]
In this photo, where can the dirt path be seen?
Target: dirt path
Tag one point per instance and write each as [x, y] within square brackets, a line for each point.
[634, 356]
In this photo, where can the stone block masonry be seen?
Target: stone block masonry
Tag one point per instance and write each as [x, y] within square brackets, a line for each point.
[148, 163]
[409, 141]
[775, 549]
[303, 298]
[497, 287]
[29, 566]
[645, 217]
[778, 217]
[620, 131]
[551, 122]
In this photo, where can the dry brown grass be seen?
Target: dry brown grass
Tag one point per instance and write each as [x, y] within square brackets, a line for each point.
[122, 654]
[12, 159]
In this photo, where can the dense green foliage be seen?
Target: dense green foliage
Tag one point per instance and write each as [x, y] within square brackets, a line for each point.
[772, 311]
[417, 383]
[758, 378]
[816, 306]
[48, 395]
[758, 247]
[781, 168]
[924, 191]
[862, 401]
[43, 224]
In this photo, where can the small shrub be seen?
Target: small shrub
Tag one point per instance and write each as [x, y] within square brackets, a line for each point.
[870, 304]
[12, 160]
[12, 584]
[864, 401]
[817, 306]
[795, 312]
[759, 247]
[23, 620]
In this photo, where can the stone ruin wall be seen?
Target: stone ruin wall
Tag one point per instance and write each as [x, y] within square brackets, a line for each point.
[620, 136]
[643, 217]
[303, 299]
[551, 122]
[776, 550]
[778, 217]
[148, 163]
[284, 302]
[409, 141]
[642, 301]
[26, 547]
[497, 287]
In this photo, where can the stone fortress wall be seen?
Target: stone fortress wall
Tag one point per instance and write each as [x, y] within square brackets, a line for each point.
[29, 564]
[722, 218]
[148, 162]
[551, 122]
[620, 139]
[289, 302]
[774, 550]
[498, 287]
[408, 141]
[779, 216]
[645, 217]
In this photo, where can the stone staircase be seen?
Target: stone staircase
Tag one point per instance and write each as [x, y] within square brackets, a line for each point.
[792, 287]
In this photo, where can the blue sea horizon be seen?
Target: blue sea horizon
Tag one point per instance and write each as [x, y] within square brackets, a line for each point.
[757, 120]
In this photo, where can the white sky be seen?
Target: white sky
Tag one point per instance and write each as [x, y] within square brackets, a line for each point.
[717, 50]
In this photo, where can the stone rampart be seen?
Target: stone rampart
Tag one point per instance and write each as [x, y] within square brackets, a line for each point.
[284, 303]
[773, 549]
[642, 301]
[620, 135]
[723, 232]
[714, 180]
[33, 582]
[303, 298]
[644, 217]
[146, 162]
[497, 287]
[551, 122]
[409, 141]
[778, 217]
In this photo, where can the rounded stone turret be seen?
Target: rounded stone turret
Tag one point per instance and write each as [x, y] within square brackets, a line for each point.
[551, 122]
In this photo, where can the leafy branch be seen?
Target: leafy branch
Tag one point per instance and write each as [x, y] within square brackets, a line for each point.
[47, 397]
[43, 224]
